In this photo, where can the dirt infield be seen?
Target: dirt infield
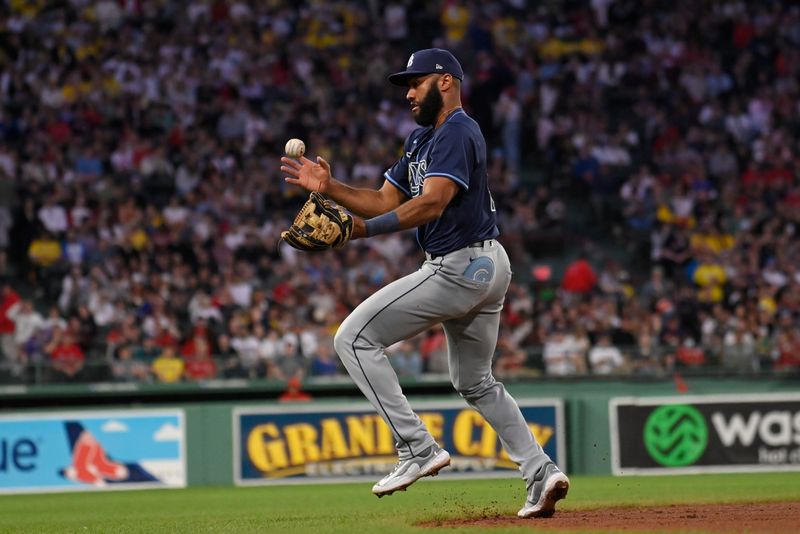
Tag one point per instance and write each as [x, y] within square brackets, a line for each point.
[762, 518]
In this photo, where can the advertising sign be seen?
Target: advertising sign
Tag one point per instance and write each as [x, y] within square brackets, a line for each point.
[64, 451]
[724, 433]
[351, 442]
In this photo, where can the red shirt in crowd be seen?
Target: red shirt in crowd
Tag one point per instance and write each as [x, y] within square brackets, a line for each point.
[200, 369]
[294, 393]
[9, 298]
[165, 339]
[690, 356]
[788, 352]
[769, 177]
[68, 357]
[579, 277]
[743, 33]
[59, 131]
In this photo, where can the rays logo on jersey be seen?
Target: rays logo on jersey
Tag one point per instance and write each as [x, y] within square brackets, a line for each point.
[416, 174]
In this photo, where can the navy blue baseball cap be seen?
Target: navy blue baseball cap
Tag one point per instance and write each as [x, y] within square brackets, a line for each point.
[428, 61]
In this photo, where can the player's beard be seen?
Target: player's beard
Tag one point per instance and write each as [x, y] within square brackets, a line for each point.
[429, 107]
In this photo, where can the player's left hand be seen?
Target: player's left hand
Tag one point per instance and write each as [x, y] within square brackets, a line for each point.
[320, 225]
[314, 177]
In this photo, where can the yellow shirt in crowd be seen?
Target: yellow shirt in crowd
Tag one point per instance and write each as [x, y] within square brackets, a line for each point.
[168, 369]
[716, 243]
[455, 20]
[710, 277]
[44, 252]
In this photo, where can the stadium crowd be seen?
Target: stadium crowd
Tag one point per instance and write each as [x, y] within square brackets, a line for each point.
[141, 200]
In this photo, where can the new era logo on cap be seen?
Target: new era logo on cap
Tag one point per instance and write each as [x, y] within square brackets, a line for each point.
[428, 61]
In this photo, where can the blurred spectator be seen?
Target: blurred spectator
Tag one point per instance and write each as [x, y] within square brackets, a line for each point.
[326, 363]
[605, 358]
[168, 368]
[688, 354]
[672, 250]
[196, 344]
[656, 288]
[562, 354]
[294, 392]
[200, 365]
[508, 115]
[82, 325]
[268, 347]
[45, 254]
[433, 349]
[147, 352]
[787, 351]
[27, 323]
[73, 289]
[579, 277]
[54, 320]
[246, 346]
[104, 312]
[509, 361]
[290, 362]
[645, 360]
[8, 342]
[231, 365]
[711, 277]
[405, 358]
[739, 351]
[53, 216]
[202, 308]
[66, 357]
[126, 367]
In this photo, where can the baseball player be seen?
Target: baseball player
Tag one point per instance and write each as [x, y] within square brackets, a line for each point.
[440, 187]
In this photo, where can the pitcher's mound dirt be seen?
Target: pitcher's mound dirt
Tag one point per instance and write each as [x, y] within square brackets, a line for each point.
[763, 518]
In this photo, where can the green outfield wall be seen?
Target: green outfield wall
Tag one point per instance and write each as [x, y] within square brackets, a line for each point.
[209, 421]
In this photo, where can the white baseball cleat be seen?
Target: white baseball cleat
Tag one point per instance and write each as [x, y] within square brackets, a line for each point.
[549, 485]
[406, 472]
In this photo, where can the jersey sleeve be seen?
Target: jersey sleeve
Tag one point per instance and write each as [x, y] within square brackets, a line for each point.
[453, 155]
[397, 174]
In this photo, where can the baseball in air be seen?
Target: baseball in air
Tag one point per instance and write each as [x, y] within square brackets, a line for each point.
[295, 148]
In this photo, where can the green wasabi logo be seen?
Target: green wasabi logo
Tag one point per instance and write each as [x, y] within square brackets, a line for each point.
[675, 435]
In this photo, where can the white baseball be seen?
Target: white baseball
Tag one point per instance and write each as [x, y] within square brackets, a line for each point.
[295, 148]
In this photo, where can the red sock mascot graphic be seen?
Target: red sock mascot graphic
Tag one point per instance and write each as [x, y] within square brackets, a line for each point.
[90, 464]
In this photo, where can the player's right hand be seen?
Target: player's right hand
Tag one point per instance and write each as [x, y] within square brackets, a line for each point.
[307, 174]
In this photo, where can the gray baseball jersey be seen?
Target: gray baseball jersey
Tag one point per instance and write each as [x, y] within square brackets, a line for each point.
[461, 285]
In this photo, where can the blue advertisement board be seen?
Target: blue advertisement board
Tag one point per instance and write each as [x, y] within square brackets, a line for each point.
[350, 442]
[64, 451]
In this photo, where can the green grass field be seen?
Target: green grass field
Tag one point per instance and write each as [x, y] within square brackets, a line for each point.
[352, 508]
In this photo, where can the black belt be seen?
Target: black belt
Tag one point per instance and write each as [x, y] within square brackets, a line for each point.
[476, 244]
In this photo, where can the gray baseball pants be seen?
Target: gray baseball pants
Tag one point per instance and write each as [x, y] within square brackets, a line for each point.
[464, 291]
